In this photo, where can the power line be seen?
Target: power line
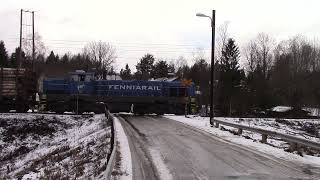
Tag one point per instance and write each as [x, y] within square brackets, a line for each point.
[119, 43]
[130, 48]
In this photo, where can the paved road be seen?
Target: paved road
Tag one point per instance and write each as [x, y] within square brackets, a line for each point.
[188, 153]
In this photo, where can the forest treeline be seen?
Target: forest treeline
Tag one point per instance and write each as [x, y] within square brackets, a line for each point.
[284, 73]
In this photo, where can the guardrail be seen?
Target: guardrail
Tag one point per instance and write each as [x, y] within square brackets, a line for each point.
[295, 142]
[111, 158]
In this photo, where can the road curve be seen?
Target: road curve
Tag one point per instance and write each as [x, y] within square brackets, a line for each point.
[189, 153]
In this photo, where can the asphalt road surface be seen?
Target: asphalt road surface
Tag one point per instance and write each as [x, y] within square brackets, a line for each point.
[187, 153]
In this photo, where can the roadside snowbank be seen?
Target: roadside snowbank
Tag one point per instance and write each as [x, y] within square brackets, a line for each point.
[275, 148]
[123, 169]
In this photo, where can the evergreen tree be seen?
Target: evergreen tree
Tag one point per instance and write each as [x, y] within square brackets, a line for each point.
[15, 57]
[160, 69]
[51, 59]
[200, 75]
[171, 68]
[65, 59]
[144, 67]
[125, 74]
[230, 77]
[3, 55]
[57, 58]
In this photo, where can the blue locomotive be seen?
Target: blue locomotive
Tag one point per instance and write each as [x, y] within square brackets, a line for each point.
[81, 92]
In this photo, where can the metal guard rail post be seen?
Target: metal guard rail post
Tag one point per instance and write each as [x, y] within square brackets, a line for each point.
[295, 142]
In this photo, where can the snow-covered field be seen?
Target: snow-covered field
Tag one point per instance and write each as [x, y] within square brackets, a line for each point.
[53, 146]
[274, 146]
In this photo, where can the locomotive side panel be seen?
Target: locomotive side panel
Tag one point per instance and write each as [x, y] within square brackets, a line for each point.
[74, 94]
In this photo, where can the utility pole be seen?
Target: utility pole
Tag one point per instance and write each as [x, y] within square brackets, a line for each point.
[213, 23]
[21, 37]
[33, 47]
[20, 45]
[19, 55]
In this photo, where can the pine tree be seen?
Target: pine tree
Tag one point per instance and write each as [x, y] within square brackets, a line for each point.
[144, 67]
[200, 75]
[3, 55]
[230, 76]
[65, 59]
[15, 57]
[171, 68]
[160, 69]
[51, 59]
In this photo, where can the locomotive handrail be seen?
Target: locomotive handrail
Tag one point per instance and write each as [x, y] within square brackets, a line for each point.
[294, 141]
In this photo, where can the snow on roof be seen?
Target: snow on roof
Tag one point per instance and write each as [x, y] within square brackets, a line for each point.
[166, 79]
[281, 108]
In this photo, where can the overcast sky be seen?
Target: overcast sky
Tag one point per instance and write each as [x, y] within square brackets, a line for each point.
[165, 28]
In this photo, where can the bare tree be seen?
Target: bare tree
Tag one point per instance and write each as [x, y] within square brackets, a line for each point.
[199, 54]
[180, 62]
[250, 53]
[258, 52]
[40, 48]
[102, 54]
[222, 38]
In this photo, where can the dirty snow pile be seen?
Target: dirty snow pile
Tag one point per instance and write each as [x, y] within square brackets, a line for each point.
[123, 165]
[34, 146]
[303, 128]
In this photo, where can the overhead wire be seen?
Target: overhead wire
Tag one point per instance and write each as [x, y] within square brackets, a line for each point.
[127, 49]
[131, 48]
[116, 43]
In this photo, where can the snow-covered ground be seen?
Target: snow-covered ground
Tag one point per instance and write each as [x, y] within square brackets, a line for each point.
[53, 146]
[274, 146]
[303, 128]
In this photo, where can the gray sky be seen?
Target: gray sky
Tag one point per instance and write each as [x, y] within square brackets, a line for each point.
[165, 28]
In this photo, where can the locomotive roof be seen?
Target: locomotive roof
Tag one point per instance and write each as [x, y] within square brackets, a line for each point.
[81, 72]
